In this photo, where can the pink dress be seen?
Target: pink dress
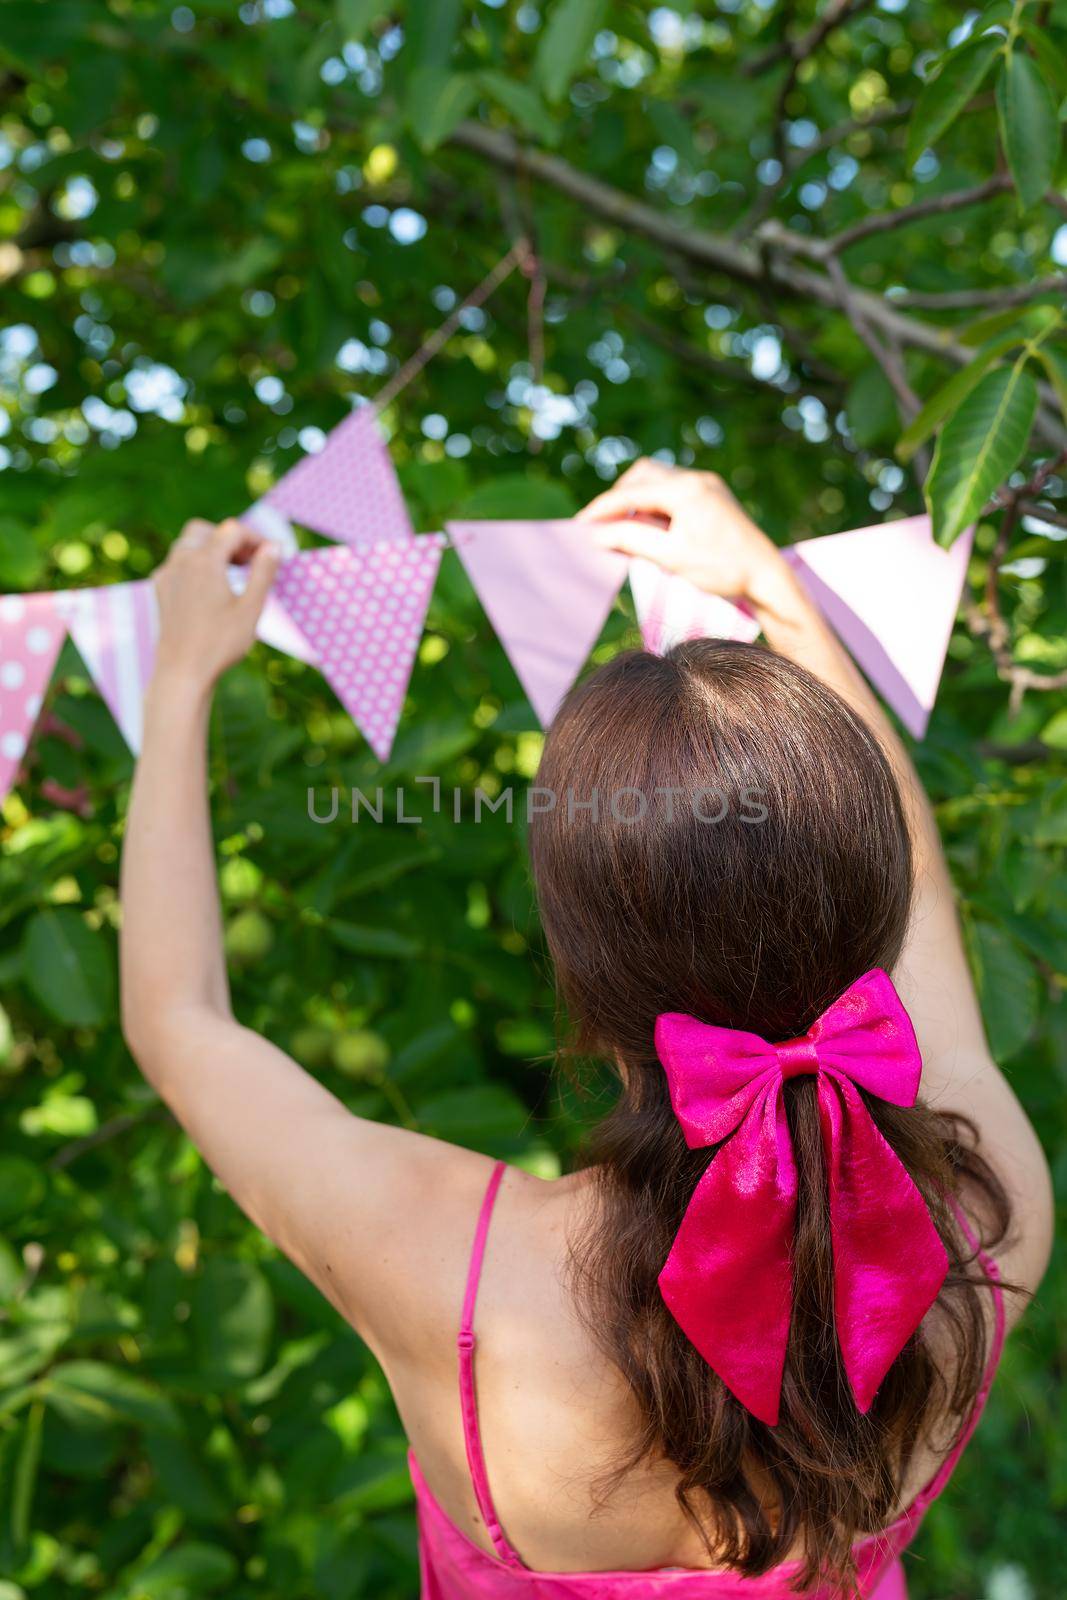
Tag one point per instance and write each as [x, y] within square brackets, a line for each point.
[454, 1568]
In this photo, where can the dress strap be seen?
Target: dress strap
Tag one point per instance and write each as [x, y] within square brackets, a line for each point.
[467, 1395]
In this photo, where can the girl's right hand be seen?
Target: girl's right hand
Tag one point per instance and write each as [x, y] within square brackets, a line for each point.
[698, 530]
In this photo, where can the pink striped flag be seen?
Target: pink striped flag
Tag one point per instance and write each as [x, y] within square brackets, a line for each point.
[115, 630]
[362, 611]
[348, 490]
[547, 589]
[31, 633]
[671, 609]
[889, 591]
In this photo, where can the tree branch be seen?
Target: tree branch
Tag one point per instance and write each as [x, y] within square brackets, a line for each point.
[719, 253]
[691, 355]
[990, 624]
[983, 299]
[713, 251]
[764, 202]
[935, 205]
[796, 50]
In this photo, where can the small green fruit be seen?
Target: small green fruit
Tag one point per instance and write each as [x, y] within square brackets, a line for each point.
[361, 1054]
[248, 937]
[311, 1045]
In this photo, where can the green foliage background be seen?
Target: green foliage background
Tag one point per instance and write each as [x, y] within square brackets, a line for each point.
[217, 224]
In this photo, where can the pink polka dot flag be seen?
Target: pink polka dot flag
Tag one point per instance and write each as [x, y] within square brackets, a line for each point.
[31, 632]
[348, 490]
[363, 612]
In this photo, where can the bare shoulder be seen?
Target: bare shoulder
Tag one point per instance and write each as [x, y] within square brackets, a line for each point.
[1007, 1140]
[407, 1281]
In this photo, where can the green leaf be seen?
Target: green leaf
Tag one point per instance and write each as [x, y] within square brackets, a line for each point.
[188, 1569]
[565, 43]
[979, 447]
[69, 967]
[1023, 325]
[21, 562]
[363, 941]
[944, 97]
[522, 102]
[354, 17]
[183, 1477]
[871, 408]
[22, 1188]
[1007, 987]
[481, 1115]
[12, 1272]
[515, 494]
[949, 397]
[25, 1476]
[1054, 733]
[62, 1114]
[437, 102]
[1055, 364]
[111, 1394]
[431, 29]
[1029, 126]
[232, 1318]
[1051, 59]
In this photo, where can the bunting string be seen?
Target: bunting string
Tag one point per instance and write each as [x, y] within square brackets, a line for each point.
[356, 610]
[520, 255]
[357, 614]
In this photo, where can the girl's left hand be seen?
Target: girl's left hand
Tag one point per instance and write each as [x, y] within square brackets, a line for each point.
[204, 626]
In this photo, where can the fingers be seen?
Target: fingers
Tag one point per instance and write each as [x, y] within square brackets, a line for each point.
[261, 572]
[229, 542]
[637, 539]
[236, 542]
[651, 489]
[636, 499]
[194, 535]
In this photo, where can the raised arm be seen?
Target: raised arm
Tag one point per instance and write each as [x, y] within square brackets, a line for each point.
[348, 1200]
[706, 537]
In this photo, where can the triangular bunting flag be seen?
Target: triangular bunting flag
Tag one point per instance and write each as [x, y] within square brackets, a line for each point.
[348, 490]
[891, 594]
[31, 632]
[269, 521]
[363, 611]
[277, 628]
[547, 588]
[115, 630]
[671, 609]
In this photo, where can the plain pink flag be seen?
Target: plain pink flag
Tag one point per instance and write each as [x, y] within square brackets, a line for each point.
[362, 611]
[547, 589]
[891, 594]
[31, 633]
[348, 490]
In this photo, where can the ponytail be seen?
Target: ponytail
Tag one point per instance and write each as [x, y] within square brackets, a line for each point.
[760, 928]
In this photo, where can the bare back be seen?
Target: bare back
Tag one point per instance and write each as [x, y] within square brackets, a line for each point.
[554, 1413]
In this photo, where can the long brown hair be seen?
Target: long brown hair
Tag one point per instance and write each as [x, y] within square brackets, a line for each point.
[727, 839]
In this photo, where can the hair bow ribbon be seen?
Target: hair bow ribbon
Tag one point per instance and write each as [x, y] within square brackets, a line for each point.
[728, 1280]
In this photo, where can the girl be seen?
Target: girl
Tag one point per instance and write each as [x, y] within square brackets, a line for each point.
[739, 1352]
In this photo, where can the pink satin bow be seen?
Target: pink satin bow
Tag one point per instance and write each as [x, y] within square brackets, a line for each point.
[728, 1280]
